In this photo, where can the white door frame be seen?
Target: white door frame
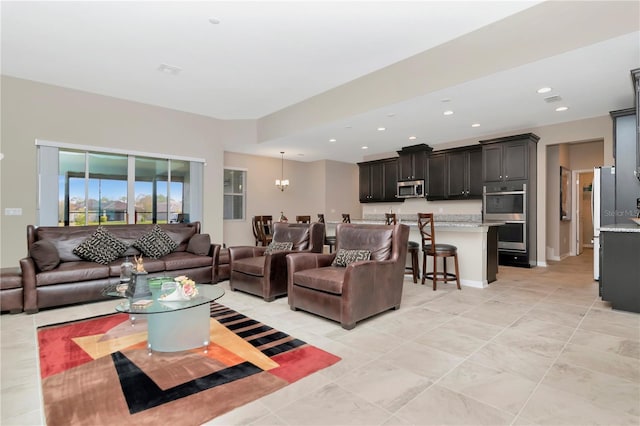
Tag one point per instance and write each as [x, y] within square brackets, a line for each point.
[576, 195]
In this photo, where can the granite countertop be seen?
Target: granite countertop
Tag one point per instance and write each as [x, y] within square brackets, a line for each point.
[441, 221]
[621, 227]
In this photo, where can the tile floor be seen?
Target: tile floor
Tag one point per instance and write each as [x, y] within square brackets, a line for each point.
[538, 347]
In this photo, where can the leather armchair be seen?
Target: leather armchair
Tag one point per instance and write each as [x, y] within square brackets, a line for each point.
[255, 272]
[359, 290]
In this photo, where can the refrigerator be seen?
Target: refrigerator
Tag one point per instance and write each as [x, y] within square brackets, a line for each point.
[603, 208]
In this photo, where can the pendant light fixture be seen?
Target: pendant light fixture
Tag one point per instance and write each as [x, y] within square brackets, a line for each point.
[282, 183]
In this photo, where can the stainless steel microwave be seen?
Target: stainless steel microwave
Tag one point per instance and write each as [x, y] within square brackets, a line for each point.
[410, 189]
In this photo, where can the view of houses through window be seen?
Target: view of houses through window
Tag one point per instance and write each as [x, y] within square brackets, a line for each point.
[108, 189]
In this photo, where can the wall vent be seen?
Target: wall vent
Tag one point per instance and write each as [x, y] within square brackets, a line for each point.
[552, 99]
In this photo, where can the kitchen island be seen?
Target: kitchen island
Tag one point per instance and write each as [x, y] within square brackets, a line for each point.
[620, 266]
[477, 244]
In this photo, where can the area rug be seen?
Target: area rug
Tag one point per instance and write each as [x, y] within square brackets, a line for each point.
[98, 371]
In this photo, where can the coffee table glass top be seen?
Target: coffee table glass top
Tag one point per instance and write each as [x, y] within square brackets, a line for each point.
[206, 294]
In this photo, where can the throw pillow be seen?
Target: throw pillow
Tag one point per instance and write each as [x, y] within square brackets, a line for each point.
[101, 247]
[277, 246]
[45, 255]
[345, 257]
[199, 244]
[155, 243]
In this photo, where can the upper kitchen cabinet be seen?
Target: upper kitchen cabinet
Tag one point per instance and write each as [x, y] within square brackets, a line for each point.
[379, 181]
[464, 173]
[635, 75]
[509, 158]
[436, 181]
[455, 174]
[412, 162]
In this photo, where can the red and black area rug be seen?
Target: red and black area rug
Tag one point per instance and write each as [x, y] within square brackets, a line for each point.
[98, 371]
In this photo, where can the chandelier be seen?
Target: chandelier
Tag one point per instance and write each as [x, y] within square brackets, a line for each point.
[282, 183]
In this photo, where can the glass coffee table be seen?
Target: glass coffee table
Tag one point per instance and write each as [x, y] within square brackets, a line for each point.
[172, 325]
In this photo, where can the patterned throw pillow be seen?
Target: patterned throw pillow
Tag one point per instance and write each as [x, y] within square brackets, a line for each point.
[155, 243]
[345, 257]
[101, 247]
[274, 246]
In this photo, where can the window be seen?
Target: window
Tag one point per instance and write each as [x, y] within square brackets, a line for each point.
[109, 188]
[234, 193]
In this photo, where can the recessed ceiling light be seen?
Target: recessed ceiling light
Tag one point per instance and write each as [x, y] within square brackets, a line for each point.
[332, 140]
[169, 69]
[412, 138]
[449, 112]
[214, 21]
[475, 125]
[365, 147]
[382, 129]
[544, 90]
[560, 109]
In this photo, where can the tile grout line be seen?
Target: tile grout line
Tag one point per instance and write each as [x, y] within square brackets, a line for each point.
[555, 360]
[469, 356]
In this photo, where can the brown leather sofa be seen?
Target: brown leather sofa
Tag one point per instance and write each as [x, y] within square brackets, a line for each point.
[222, 268]
[52, 275]
[256, 271]
[359, 290]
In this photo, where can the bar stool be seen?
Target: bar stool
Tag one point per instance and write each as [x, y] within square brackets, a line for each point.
[413, 249]
[346, 218]
[329, 240]
[430, 248]
[303, 219]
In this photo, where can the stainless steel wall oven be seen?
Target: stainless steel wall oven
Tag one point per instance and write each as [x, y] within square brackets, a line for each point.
[508, 204]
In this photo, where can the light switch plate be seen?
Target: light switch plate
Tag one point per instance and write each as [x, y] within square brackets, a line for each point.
[13, 211]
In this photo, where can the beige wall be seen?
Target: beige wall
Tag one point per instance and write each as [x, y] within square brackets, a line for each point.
[586, 156]
[33, 111]
[328, 187]
[553, 203]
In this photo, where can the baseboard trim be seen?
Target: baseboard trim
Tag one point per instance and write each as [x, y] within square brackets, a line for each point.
[474, 283]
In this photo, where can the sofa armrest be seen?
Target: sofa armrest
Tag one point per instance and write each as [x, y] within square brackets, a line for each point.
[215, 253]
[375, 285]
[30, 294]
[242, 252]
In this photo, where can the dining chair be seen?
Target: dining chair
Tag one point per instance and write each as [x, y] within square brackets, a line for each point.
[262, 226]
[303, 219]
[329, 240]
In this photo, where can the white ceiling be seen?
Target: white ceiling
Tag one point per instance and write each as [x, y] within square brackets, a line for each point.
[266, 59]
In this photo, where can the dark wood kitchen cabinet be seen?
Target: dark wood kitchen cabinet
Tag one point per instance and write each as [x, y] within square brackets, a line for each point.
[620, 269]
[379, 181]
[509, 158]
[412, 162]
[464, 174]
[635, 75]
[455, 174]
[436, 181]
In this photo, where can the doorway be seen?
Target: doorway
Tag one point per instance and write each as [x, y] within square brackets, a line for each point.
[582, 232]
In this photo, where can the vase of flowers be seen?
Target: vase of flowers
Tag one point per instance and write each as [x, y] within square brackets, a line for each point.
[185, 289]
